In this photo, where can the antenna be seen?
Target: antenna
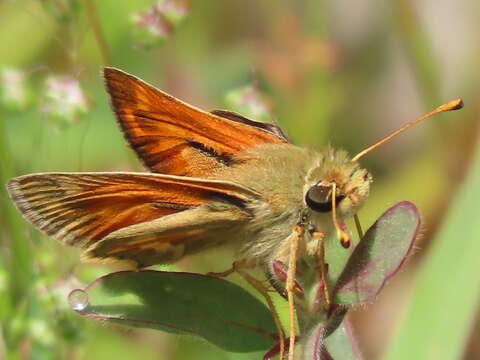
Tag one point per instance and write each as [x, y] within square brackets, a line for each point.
[452, 105]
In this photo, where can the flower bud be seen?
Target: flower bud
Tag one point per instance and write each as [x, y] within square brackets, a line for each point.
[249, 102]
[64, 99]
[156, 24]
[14, 92]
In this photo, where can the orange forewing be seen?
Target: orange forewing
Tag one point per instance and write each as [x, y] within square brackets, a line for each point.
[82, 208]
[171, 137]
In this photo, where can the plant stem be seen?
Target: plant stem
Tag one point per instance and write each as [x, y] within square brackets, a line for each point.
[97, 31]
[317, 106]
[20, 262]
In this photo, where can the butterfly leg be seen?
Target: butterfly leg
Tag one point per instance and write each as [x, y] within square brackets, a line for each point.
[236, 265]
[290, 286]
[323, 267]
[263, 290]
[239, 267]
[358, 225]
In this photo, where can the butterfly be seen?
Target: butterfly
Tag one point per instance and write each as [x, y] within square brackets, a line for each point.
[215, 178]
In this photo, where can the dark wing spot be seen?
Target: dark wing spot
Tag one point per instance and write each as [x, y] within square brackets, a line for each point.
[223, 158]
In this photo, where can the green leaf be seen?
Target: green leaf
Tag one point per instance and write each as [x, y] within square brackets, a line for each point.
[341, 344]
[181, 303]
[379, 255]
[331, 343]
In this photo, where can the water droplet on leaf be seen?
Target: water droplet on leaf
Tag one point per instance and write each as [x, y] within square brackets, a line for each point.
[78, 300]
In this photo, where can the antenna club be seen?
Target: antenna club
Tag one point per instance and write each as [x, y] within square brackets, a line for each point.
[450, 106]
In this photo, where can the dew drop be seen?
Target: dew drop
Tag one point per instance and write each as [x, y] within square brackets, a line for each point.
[78, 300]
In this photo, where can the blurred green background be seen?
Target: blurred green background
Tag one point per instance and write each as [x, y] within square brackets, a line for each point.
[338, 72]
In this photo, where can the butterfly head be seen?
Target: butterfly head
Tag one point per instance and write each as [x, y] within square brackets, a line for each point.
[338, 178]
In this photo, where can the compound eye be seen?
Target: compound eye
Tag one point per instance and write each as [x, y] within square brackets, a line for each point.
[319, 198]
